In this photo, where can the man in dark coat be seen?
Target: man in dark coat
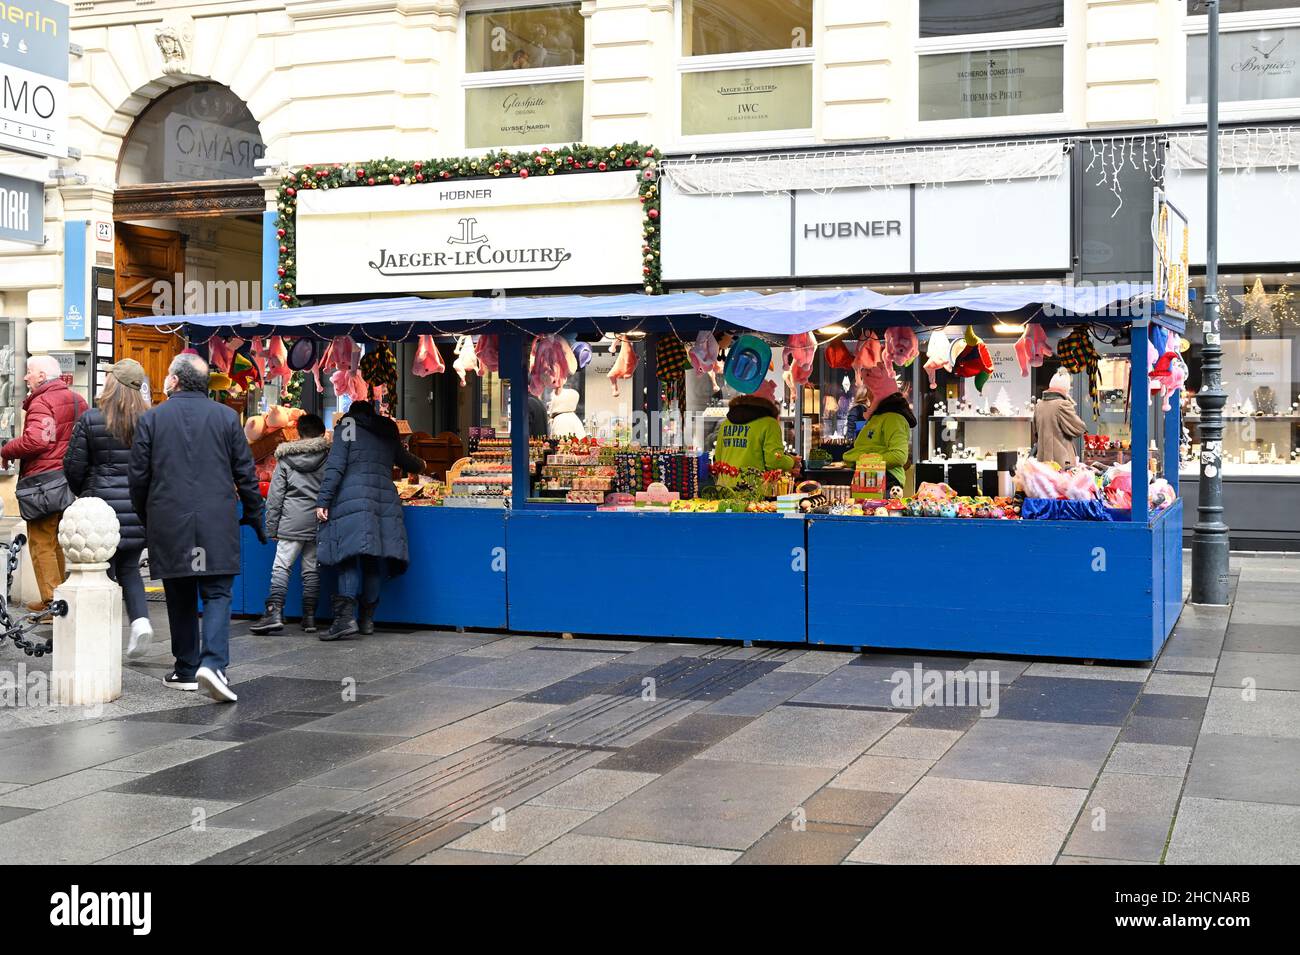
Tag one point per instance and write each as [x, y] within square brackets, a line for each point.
[362, 533]
[191, 469]
[52, 410]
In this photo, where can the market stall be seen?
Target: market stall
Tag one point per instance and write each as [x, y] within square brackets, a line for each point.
[931, 572]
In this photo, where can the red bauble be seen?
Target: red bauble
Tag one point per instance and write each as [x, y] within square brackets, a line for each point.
[280, 272]
[523, 174]
[370, 182]
[629, 161]
[591, 164]
[279, 233]
[602, 167]
[291, 191]
[653, 213]
[360, 172]
[395, 180]
[419, 177]
[284, 249]
[418, 166]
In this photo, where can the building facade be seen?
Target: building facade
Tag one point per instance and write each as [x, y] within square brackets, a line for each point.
[183, 116]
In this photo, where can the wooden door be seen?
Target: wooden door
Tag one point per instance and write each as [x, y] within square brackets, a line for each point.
[144, 257]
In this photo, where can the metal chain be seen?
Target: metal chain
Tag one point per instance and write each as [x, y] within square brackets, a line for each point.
[17, 632]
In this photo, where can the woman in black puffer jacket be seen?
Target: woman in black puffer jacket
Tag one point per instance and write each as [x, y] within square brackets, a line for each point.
[362, 532]
[96, 466]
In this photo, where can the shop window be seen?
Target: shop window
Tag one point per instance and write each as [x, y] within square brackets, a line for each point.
[1260, 337]
[1253, 65]
[1199, 7]
[959, 17]
[524, 75]
[746, 67]
[196, 133]
[979, 60]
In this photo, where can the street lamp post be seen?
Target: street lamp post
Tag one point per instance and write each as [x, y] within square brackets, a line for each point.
[1210, 537]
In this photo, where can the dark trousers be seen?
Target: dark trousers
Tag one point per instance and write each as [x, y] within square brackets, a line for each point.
[192, 650]
[124, 568]
[360, 578]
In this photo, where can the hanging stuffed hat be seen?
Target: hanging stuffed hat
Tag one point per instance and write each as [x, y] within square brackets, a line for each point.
[704, 353]
[671, 363]
[302, 354]
[938, 355]
[747, 363]
[243, 372]
[838, 355]
[973, 360]
[582, 352]
[901, 348]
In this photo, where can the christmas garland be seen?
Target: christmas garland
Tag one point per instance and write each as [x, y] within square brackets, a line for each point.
[568, 160]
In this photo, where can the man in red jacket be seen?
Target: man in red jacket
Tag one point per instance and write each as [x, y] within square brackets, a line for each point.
[52, 409]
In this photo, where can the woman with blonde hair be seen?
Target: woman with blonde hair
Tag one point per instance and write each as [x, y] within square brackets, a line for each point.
[96, 466]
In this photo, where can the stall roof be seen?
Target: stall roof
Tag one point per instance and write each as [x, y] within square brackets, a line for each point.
[780, 313]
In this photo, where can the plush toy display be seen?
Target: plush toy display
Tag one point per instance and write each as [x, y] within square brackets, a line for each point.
[973, 360]
[1031, 348]
[565, 423]
[624, 364]
[938, 355]
[901, 348]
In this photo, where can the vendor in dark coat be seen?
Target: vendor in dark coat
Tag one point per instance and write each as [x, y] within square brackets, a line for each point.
[95, 465]
[362, 531]
[191, 470]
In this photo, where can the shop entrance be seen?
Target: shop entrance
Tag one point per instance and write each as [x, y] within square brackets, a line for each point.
[188, 214]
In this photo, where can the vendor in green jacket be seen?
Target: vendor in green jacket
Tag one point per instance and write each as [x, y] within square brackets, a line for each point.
[888, 428]
[750, 437]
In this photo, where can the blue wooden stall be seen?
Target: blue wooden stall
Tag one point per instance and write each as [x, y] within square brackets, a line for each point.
[1091, 590]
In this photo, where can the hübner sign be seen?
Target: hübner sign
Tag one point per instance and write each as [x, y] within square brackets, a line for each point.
[570, 230]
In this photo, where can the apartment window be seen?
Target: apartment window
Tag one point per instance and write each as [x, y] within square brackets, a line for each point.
[523, 75]
[746, 66]
[987, 58]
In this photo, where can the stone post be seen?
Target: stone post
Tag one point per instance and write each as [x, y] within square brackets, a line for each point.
[87, 667]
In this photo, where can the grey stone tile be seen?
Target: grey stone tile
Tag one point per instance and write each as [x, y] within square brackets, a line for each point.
[882, 774]
[1186, 664]
[83, 746]
[914, 743]
[1079, 671]
[412, 712]
[654, 755]
[711, 803]
[1263, 638]
[65, 788]
[1149, 759]
[259, 767]
[1061, 700]
[944, 717]
[370, 771]
[93, 827]
[1031, 752]
[461, 857]
[1081, 860]
[849, 807]
[818, 661]
[805, 736]
[581, 849]
[705, 728]
[526, 671]
[765, 693]
[13, 812]
[1178, 684]
[1260, 612]
[167, 755]
[182, 847]
[522, 830]
[655, 654]
[594, 790]
[816, 843]
[1227, 832]
[1272, 713]
[1165, 732]
[474, 729]
[1004, 671]
[966, 821]
[1246, 769]
[1169, 707]
[504, 647]
[280, 808]
[605, 721]
[1269, 671]
[1126, 817]
[852, 686]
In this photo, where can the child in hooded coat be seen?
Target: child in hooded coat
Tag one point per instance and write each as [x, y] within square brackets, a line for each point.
[291, 522]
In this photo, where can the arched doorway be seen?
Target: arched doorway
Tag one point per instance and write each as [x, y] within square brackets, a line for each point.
[187, 214]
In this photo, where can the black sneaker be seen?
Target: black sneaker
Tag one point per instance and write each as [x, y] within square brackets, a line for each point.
[178, 683]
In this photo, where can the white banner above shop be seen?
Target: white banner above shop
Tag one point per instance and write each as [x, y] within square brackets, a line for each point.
[1265, 147]
[870, 168]
[566, 230]
[963, 227]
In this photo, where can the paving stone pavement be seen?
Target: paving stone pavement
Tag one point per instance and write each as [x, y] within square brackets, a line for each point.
[440, 748]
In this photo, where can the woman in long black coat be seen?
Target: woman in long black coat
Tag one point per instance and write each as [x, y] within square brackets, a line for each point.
[362, 533]
[96, 466]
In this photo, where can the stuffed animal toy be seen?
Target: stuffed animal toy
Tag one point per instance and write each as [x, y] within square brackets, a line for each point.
[466, 360]
[901, 348]
[1031, 348]
[938, 355]
[801, 350]
[624, 364]
[973, 360]
[564, 420]
[428, 360]
[869, 355]
[255, 427]
[485, 346]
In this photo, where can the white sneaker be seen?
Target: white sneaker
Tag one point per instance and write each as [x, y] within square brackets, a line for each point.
[141, 637]
[214, 684]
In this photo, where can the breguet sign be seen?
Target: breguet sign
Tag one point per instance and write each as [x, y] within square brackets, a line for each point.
[501, 234]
